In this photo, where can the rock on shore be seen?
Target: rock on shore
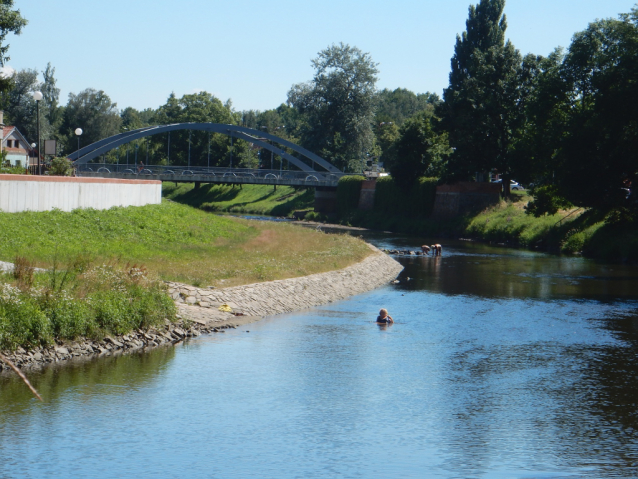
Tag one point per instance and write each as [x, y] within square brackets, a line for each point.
[199, 309]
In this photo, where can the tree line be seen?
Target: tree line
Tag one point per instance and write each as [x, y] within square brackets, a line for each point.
[567, 123]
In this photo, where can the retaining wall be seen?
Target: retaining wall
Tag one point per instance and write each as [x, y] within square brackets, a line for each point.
[43, 193]
[464, 197]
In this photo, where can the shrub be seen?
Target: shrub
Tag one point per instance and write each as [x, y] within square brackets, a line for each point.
[61, 166]
[348, 192]
[416, 202]
[82, 302]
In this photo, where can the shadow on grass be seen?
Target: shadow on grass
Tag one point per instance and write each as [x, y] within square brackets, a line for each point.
[300, 202]
[614, 242]
[224, 198]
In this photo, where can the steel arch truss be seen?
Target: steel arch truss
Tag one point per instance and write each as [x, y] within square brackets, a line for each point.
[256, 137]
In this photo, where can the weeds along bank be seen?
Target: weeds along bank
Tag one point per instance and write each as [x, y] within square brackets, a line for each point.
[106, 270]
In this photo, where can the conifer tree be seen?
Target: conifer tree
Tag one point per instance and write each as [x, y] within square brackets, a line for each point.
[482, 106]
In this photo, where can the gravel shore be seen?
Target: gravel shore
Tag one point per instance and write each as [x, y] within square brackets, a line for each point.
[199, 309]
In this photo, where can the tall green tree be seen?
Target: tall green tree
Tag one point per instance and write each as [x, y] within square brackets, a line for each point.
[597, 157]
[420, 150]
[482, 107]
[201, 107]
[20, 107]
[398, 105]
[10, 22]
[94, 112]
[50, 101]
[338, 106]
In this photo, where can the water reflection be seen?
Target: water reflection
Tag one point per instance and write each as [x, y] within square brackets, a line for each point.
[501, 364]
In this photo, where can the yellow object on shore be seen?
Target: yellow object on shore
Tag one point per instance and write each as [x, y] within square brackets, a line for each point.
[226, 308]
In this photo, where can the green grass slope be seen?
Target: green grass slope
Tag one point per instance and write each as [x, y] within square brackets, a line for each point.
[254, 199]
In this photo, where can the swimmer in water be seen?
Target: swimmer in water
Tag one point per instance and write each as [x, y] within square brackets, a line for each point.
[384, 317]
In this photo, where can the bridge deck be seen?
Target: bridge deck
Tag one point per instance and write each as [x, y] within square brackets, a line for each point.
[212, 175]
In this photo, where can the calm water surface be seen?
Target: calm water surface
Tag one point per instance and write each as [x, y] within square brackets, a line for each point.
[501, 364]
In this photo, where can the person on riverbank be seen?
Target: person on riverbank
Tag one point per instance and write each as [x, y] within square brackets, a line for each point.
[384, 317]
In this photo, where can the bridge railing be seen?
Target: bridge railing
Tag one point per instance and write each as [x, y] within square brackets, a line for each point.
[215, 173]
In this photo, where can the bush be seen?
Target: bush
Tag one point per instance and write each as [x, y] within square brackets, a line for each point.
[22, 322]
[348, 193]
[416, 202]
[61, 166]
[82, 302]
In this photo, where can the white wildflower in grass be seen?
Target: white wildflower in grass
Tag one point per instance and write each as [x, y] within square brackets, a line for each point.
[10, 294]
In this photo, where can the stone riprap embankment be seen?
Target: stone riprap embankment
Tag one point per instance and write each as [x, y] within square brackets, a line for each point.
[199, 311]
[293, 294]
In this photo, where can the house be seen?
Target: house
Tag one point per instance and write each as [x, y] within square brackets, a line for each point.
[16, 146]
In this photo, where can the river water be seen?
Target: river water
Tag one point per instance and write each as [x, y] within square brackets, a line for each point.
[501, 364]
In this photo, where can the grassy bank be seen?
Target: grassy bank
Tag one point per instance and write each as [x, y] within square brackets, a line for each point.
[105, 268]
[253, 199]
[567, 232]
[571, 231]
[177, 243]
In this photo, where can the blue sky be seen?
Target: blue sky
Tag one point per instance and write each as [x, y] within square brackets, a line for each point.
[139, 51]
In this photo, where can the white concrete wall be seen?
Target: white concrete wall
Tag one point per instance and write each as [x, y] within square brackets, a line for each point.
[42, 193]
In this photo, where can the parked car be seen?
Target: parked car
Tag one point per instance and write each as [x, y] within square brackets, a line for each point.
[513, 184]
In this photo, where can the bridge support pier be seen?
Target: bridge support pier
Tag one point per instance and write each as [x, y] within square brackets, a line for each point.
[198, 184]
[325, 199]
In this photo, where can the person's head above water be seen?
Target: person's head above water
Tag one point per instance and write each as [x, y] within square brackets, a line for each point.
[383, 313]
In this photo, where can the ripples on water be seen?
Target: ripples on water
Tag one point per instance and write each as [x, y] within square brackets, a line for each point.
[502, 364]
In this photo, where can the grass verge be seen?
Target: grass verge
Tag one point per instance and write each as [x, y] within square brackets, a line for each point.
[177, 243]
[90, 288]
[253, 199]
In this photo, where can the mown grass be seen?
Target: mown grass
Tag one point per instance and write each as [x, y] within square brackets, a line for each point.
[177, 243]
[252, 199]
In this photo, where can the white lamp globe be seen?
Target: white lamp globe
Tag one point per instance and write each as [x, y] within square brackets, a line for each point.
[78, 131]
[37, 96]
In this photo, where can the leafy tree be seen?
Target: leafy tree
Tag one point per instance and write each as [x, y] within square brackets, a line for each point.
[20, 107]
[387, 133]
[50, 100]
[398, 105]
[597, 157]
[94, 112]
[10, 22]
[337, 106]
[545, 113]
[483, 106]
[131, 119]
[201, 107]
[420, 150]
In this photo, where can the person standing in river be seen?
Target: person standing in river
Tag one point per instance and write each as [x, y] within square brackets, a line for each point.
[384, 317]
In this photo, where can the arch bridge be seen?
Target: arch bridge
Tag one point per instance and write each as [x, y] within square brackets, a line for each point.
[319, 173]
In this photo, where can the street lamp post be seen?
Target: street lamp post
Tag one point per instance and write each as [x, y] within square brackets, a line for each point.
[33, 145]
[78, 132]
[37, 96]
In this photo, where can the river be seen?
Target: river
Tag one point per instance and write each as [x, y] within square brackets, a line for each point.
[502, 363]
